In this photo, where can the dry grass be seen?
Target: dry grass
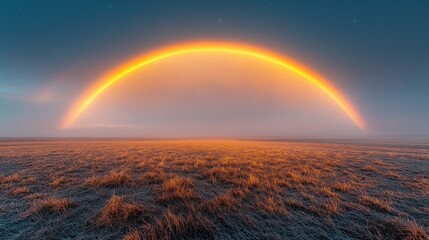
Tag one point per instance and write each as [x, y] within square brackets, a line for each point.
[10, 179]
[379, 162]
[343, 187]
[31, 180]
[34, 196]
[219, 174]
[58, 181]
[326, 191]
[177, 189]
[141, 165]
[155, 177]
[397, 228]
[271, 205]
[376, 203]
[294, 203]
[225, 202]
[20, 191]
[331, 206]
[370, 168]
[133, 235]
[118, 212]
[422, 184]
[173, 226]
[115, 178]
[252, 181]
[213, 190]
[392, 174]
[50, 205]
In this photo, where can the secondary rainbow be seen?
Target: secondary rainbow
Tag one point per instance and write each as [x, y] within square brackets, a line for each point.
[109, 79]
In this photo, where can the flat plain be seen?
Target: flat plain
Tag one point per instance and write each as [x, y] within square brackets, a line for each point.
[213, 189]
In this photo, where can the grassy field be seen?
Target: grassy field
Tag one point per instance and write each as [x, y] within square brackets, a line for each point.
[213, 190]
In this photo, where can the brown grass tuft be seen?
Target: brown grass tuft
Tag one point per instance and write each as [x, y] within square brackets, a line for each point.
[225, 202]
[379, 162]
[177, 188]
[11, 178]
[392, 175]
[31, 180]
[327, 191]
[133, 235]
[115, 178]
[141, 165]
[293, 203]
[117, 212]
[298, 178]
[331, 206]
[378, 204]
[35, 196]
[252, 181]
[421, 184]
[20, 191]
[49, 205]
[293, 176]
[343, 187]
[369, 168]
[226, 174]
[396, 228]
[239, 192]
[172, 226]
[271, 205]
[155, 177]
[58, 181]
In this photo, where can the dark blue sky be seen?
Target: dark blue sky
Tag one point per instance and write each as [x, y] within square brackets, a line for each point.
[376, 52]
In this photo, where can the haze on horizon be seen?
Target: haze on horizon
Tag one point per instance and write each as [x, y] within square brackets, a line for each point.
[52, 51]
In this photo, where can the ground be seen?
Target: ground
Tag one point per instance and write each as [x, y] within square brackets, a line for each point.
[213, 189]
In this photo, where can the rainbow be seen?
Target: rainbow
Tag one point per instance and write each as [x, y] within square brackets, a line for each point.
[107, 80]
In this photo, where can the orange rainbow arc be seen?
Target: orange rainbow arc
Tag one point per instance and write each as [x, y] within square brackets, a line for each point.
[117, 74]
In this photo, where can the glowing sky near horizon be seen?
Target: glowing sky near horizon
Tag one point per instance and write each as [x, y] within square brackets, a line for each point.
[212, 94]
[374, 54]
[210, 51]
